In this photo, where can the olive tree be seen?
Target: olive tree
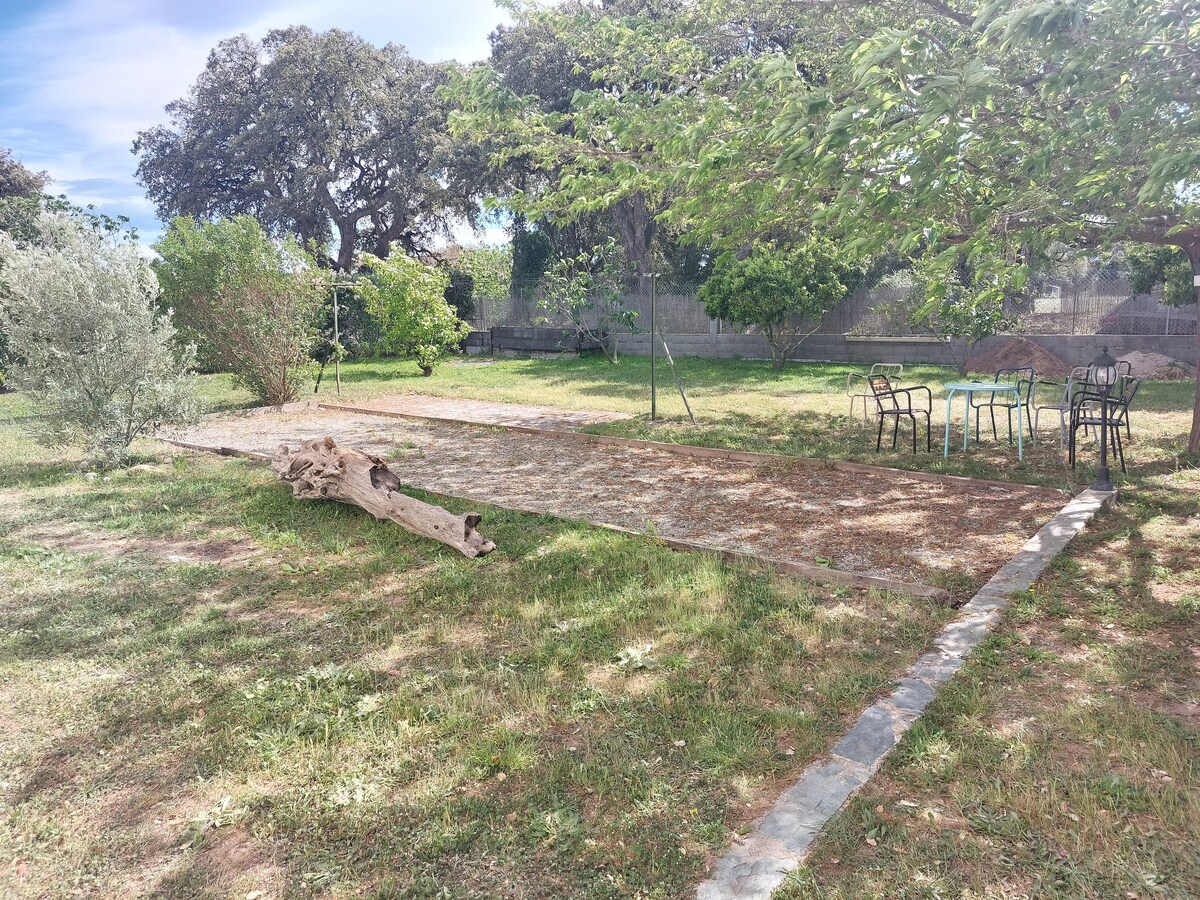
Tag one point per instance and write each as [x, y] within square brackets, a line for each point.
[95, 352]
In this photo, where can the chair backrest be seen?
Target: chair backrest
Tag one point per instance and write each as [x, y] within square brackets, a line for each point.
[1017, 373]
[881, 387]
[894, 371]
[1128, 386]
[1077, 381]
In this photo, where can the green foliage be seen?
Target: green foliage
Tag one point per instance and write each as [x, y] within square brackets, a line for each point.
[784, 291]
[1150, 266]
[16, 180]
[531, 254]
[374, 167]
[587, 292]
[102, 362]
[958, 303]
[490, 268]
[407, 298]
[460, 293]
[250, 303]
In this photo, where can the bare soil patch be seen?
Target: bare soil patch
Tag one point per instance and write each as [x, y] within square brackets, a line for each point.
[221, 551]
[481, 412]
[883, 524]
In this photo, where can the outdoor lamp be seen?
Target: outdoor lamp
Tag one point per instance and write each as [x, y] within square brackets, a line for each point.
[1103, 374]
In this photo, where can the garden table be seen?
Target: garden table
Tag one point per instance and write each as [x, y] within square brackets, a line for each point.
[970, 388]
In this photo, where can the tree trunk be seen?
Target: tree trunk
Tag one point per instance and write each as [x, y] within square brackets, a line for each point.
[1193, 251]
[635, 226]
[320, 469]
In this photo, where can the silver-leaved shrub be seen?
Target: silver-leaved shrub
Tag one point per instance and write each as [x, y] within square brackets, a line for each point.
[100, 361]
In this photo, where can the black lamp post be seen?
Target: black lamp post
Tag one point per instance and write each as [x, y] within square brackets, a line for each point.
[1103, 373]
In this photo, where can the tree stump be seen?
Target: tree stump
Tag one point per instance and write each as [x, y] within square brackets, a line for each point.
[320, 469]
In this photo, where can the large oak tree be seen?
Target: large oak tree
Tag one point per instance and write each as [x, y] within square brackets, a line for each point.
[319, 135]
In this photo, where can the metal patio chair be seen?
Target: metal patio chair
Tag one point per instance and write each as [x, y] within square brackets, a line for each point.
[1087, 411]
[858, 386]
[1076, 381]
[898, 402]
[1025, 379]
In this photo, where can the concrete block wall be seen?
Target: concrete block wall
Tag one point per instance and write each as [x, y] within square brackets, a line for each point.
[1074, 349]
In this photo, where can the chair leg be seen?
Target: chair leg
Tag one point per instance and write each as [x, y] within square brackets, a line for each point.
[895, 430]
[914, 426]
[995, 433]
[879, 436]
[1120, 449]
[1009, 412]
[1029, 419]
[928, 434]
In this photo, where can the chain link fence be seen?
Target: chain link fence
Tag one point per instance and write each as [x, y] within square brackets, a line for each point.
[1082, 295]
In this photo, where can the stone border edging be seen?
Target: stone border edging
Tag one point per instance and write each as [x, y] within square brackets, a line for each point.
[710, 452]
[797, 568]
[753, 868]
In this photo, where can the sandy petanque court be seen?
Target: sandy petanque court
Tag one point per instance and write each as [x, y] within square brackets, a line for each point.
[874, 522]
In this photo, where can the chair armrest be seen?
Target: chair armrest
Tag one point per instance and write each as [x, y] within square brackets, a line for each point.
[909, 391]
[850, 385]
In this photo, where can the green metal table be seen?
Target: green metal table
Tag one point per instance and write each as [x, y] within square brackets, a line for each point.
[970, 388]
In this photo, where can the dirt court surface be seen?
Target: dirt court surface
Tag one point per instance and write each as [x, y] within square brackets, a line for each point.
[481, 412]
[877, 524]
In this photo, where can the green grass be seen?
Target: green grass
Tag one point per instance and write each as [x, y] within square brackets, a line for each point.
[1064, 759]
[357, 713]
[801, 410]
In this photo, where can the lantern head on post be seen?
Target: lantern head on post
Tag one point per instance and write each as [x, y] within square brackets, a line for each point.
[1102, 373]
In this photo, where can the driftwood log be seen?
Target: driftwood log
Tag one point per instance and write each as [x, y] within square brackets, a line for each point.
[320, 469]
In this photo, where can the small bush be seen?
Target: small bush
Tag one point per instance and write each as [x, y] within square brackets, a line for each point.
[784, 291]
[98, 357]
[252, 305]
[407, 299]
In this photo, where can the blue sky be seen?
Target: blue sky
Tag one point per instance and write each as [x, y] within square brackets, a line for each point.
[79, 78]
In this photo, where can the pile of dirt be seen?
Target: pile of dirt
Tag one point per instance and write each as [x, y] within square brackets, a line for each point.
[1158, 367]
[1012, 353]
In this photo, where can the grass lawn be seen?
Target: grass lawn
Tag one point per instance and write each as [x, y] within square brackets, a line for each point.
[350, 711]
[744, 404]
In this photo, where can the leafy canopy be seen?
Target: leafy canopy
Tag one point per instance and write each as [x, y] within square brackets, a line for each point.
[250, 303]
[318, 135]
[407, 299]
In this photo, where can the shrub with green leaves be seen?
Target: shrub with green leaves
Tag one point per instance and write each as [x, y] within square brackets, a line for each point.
[784, 291]
[94, 351]
[586, 291]
[407, 299]
[251, 305]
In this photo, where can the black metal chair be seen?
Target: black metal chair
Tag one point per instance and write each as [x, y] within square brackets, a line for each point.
[1025, 379]
[1087, 412]
[888, 403]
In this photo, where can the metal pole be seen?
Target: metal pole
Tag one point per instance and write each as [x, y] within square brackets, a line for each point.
[653, 345]
[337, 344]
[1103, 480]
